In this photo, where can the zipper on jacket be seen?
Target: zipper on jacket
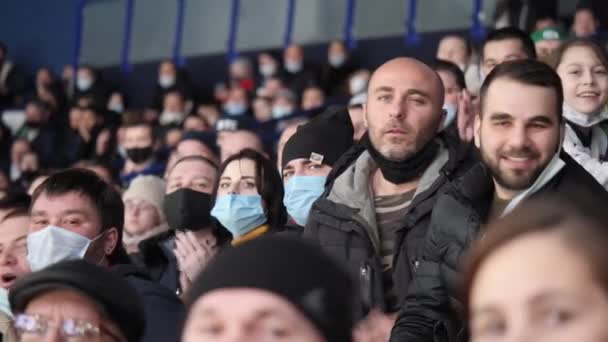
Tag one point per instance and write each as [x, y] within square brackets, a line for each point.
[365, 276]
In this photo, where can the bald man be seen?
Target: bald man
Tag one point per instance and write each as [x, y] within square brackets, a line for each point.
[377, 208]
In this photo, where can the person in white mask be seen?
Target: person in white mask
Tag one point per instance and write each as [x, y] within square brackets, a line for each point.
[339, 66]
[583, 68]
[76, 215]
[454, 87]
[297, 73]
[174, 109]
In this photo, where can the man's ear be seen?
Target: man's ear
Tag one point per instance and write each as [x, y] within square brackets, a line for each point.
[110, 241]
[477, 130]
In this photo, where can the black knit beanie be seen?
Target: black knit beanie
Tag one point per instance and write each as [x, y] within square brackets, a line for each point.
[324, 139]
[293, 269]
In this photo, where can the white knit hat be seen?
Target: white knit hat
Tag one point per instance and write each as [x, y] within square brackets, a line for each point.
[150, 189]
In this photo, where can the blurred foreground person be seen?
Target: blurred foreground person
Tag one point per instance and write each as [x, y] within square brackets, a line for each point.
[76, 301]
[516, 291]
[271, 289]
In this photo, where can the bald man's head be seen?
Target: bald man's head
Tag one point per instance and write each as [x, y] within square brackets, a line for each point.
[404, 107]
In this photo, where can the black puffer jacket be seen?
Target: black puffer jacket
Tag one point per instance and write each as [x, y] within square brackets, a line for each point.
[342, 221]
[432, 308]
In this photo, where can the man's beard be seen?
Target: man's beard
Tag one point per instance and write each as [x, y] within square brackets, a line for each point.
[514, 180]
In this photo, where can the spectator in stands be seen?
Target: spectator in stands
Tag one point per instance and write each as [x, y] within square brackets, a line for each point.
[144, 216]
[48, 90]
[19, 148]
[102, 171]
[175, 257]
[358, 81]
[116, 103]
[170, 79]
[14, 221]
[313, 98]
[284, 104]
[77, 300]
[233, 142]
[249, 197]
[505, 44]
[586, 23]
[297, 74]
[278, 284]
[80, 142]
[290, 129]
[139, 144]
[241, 74]
[308, 157]
[546, 21]
[89, 84]
[106, 148]
[78, 209]
[12, 83]
[209, 111]
[268, 67]
[454, 49]
[272, 86]
[547, 42]
[262, 109]
[195, 123]
[39, 132]
[392, 173]
[198, 144]
[237, 103]
[454, 85]
[30, 169]
[583, 68]
[174, 109]
[511, 289]
[334, 74]
[518, 133]
[14, 225]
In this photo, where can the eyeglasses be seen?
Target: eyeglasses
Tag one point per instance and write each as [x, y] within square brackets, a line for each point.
[32, 328]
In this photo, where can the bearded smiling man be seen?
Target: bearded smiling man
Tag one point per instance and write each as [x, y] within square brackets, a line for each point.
[519, 133]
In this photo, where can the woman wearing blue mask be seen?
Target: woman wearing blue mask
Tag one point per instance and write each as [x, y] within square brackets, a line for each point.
[248, 197]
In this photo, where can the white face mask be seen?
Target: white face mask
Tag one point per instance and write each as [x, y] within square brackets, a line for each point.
[337, 61]
[84, 83]
[235, 108]
[268, 70]
[54, 244]
[281, 111]
[293, 67]
[168, 118]
[116, 107]
[166, 81]
[357, 85]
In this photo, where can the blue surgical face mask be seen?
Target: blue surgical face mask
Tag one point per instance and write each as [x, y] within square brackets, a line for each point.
[450, 114]
[54, 244]
[300, 193]
[235, 108]
[240, 214]
[5, 306]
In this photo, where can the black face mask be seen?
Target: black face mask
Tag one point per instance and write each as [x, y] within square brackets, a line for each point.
[187, 209]
[32, 124]
[399, 172]
[139, 155]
